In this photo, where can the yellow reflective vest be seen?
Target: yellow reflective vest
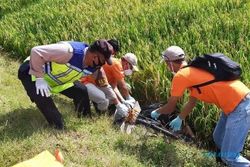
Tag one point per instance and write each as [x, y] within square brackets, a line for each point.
[62, 76]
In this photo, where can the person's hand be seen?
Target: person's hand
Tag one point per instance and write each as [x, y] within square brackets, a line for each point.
[129, 103]
[42, 87]
[176, 124]
[130, 98]
[121, 111]
[154, 114]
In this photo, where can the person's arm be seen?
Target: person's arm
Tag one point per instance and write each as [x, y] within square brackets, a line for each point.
[188, 108]
[123, 88]
[110, 94]
[177, 122]
[60, 53]
[118, 77]
[166, 109]
[118, 94]
[100, 78]
[170, 106]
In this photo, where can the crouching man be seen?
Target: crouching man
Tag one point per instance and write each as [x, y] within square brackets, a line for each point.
[57, 68]
[232, 97]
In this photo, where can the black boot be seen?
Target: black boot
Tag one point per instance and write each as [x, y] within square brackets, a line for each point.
[99, 112]
[111, 109]
[51, 113]
[83, 108]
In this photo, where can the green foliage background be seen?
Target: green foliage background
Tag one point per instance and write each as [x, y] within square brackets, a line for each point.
[144, 27]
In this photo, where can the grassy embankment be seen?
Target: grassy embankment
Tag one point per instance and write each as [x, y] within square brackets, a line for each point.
[86, 142]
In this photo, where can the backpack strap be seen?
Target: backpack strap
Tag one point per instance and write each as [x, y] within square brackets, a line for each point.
[185, 66]
[204, 84]
[201, 84]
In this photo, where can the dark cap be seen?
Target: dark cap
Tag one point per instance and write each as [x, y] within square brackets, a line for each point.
[116, 44]
[102, 46]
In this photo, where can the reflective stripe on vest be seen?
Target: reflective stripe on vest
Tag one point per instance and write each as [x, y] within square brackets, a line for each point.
[62, 76]
[59, 74]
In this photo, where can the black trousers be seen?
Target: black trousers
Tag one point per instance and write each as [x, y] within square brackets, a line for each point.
[46, 105]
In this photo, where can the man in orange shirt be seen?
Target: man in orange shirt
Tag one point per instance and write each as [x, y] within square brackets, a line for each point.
[98, 84]
[116, 75]
[233, 97]
[99, 89]
[116, 78]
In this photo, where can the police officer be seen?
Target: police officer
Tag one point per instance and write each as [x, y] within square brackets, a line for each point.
[56, 68]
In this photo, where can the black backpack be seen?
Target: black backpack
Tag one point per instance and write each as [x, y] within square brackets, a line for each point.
[219, 65]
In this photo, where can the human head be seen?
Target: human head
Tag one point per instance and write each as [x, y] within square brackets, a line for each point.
[115, 44]
[129, 63]
[99, 52]
[173, 56]
[173, 53]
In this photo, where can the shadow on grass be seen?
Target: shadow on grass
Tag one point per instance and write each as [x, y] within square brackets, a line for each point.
[159, 153]
[21, 123]
[149, 153]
